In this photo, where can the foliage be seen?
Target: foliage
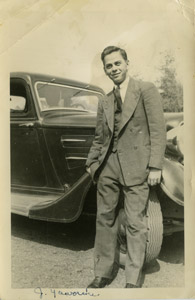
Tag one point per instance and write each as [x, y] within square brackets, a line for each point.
[171, 89]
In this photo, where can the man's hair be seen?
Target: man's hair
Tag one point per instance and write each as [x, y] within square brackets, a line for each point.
[110, 49]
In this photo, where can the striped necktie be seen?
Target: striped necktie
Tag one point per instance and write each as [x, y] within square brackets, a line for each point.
[118, 97]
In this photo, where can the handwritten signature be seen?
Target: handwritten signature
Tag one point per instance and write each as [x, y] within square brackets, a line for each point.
[39, 291]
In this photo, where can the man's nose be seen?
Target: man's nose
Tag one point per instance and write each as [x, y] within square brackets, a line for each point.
[114, 68]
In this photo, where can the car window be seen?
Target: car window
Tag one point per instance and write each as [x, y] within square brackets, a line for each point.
[58, 96]
[17, 104]
[20, 99]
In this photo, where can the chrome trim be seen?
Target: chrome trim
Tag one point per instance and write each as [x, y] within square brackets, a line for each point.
[76, 157]
[72, 140]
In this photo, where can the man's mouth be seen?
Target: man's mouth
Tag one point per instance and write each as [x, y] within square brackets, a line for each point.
[115, 75]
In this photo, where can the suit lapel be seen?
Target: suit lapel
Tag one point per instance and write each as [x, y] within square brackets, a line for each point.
[130, 103]
[108, 105]
[131, 99]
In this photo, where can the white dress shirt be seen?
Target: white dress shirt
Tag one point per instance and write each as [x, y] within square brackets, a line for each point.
[123, 88]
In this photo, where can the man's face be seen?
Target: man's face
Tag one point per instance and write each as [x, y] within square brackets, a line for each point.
[116, 67]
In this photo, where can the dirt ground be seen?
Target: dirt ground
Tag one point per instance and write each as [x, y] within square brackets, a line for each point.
[61, 256]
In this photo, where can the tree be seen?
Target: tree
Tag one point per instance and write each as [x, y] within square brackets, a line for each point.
[171, 89]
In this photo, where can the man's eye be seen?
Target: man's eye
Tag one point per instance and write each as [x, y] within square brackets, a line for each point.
[118, 63]
[108, 66]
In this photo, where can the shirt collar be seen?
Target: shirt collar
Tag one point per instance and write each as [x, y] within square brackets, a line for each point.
[124, 84]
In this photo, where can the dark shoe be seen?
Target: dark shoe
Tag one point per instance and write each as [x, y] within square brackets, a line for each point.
[99, 282]
[131, 286]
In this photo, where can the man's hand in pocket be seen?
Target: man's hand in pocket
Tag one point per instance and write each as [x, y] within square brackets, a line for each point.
[88, 170]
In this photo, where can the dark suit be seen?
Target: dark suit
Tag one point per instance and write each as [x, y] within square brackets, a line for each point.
[140, 146]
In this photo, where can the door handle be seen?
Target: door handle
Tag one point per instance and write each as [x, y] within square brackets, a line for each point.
[29, 125]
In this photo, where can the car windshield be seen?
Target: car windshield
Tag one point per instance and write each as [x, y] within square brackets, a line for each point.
[53, 96]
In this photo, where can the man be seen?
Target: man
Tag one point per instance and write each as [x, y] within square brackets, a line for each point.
[126, 156]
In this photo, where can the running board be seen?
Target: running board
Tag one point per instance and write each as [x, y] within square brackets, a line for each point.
[22, 203]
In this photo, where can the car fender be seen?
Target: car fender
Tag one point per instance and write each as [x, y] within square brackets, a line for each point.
[173, 180]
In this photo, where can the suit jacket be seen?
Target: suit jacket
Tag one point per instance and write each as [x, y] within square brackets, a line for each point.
[142, 135]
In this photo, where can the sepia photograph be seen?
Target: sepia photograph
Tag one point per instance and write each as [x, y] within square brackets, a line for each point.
[93, 180]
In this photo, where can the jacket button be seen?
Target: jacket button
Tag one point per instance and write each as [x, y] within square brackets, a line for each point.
[135, 147]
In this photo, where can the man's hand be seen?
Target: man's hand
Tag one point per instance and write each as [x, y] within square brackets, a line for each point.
[88, 170]
[154, 176]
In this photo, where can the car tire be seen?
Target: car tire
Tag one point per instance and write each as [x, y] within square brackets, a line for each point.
[154, 226]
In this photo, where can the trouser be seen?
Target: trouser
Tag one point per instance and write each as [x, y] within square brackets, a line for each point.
[110, 184]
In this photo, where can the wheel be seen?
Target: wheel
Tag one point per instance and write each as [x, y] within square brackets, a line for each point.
[155, 230]
[155, 227]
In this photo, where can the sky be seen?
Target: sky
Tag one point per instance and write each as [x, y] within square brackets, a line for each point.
[66, 38]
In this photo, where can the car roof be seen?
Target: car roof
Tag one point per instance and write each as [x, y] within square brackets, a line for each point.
[54, 79]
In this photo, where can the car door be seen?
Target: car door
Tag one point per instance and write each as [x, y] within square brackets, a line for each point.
[69, 117]
[27, 167]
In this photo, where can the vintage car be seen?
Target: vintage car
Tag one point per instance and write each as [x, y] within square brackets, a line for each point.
[51, 134]
[50, 141]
